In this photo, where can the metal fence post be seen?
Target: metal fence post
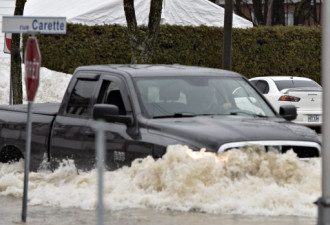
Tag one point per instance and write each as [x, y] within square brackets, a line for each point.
[100, 158]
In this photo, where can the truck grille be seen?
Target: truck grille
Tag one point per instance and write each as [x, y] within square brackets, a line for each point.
[303, 149]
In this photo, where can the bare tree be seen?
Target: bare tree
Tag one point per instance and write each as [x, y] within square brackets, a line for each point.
[143, 47]
[257, 9]
[262, 12]
[269, 16]
[305, 11]
[317, 12]
[278, 13]
[302, 12]
[16, 61]
[269, 12]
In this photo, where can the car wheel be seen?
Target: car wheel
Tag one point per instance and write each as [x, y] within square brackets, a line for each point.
[10, 154]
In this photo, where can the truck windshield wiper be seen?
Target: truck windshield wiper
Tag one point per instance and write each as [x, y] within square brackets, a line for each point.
[247, 113]
[175, 115]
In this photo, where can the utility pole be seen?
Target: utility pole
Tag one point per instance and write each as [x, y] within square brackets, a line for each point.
[228, 24]
[324, 201]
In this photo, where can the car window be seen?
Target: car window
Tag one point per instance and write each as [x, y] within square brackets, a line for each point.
[285, 84]
[80, 98]
[262, 86]
[110, 94]
[199, 96]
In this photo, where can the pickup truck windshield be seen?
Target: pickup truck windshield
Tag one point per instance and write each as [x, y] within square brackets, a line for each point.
[197, 96]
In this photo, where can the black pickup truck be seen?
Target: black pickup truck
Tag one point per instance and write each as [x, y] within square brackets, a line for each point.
[145, 108]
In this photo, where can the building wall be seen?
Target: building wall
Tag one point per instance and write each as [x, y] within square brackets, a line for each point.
[7, 8]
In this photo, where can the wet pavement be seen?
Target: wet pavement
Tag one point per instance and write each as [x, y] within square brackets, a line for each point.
[11, 209]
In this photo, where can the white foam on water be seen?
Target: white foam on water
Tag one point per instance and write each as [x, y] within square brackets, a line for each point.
[248, 182]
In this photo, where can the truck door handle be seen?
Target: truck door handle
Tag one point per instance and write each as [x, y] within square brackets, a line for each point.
[60, 128]
[89, 133]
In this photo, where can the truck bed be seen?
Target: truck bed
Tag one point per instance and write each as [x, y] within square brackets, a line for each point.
[50, 109]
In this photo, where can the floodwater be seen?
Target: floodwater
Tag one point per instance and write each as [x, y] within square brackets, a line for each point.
[245, 186]
[10, 214]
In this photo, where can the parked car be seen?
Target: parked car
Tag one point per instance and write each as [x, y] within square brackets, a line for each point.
[145, 108]
[301, 92]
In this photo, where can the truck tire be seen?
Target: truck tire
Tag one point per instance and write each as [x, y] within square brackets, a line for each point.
[10, 154]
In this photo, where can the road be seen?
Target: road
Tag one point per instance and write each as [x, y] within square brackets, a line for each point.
[11, 208]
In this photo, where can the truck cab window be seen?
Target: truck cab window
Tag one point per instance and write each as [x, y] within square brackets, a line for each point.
[110, 94]
[80, 97]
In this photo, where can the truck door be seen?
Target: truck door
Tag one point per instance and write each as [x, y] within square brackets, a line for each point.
[69, 129]
[122, 144]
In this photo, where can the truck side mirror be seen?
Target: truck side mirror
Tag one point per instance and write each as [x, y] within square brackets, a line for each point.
[110, 113]
[288, 112]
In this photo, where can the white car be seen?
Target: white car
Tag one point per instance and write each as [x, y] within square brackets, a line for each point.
[302, 92]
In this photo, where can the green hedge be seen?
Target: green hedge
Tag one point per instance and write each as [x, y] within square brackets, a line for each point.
[278, 51]
[255, 52]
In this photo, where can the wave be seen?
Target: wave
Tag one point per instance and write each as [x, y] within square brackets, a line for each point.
[245, 181]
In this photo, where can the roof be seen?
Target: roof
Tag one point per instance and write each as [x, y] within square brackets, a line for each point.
[100, 12]
[288, 78]
[282, 78]
[142, 70]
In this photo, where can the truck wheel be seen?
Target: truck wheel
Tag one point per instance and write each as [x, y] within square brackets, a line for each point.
[10, 154]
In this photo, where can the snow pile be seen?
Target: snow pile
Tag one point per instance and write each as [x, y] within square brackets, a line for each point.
[52, 85]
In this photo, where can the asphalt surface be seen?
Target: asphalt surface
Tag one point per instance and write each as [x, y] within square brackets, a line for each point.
[11, 211]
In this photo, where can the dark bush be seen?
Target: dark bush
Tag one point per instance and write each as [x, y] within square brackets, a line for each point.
[255, 52]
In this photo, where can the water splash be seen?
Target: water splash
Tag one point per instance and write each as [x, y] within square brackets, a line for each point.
[247, 181]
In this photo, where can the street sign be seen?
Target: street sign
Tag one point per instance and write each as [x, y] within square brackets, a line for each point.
[31, 24]
[7, 43]
[32, 67]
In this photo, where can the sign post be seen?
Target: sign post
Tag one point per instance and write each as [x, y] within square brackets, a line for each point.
[31, 25]
[32, 61]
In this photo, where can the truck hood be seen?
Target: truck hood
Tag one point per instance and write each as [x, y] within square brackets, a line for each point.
[212, 132]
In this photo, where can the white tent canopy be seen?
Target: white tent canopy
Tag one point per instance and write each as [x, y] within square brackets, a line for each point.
[100, 12]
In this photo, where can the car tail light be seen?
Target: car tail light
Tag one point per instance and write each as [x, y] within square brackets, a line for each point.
[288, 98]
